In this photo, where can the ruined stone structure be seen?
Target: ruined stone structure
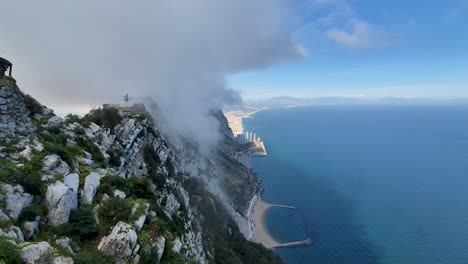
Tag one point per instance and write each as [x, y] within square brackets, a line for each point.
[5, 66]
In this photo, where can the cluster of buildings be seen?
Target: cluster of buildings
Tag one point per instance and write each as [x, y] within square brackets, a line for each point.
[248, 137]
[131, 108]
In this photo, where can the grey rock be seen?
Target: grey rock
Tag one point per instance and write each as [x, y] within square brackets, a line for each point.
[37, 253]
[30, 229]
[120, 194]
[142, 218]
[59, 200]
[159, 248]
[16, 199]
[55, 121]
[62, 260]
[92, 182]
[121, 243]
[54, 165]
[13, 232]
[72, 180]
[177, 245]
[3, 216]
[71, 143]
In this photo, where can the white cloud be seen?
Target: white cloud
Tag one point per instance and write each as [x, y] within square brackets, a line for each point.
[360, 36]
[342, 25]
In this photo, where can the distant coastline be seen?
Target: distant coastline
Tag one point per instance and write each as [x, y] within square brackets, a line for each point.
[255, 215]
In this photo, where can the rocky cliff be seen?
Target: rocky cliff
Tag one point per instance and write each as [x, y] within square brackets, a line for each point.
[109, 188]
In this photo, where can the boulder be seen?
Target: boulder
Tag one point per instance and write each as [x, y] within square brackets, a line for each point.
[13, 232]
[177, 245]
[59, 200]
[72, 180]
[54, 165]
[30, 229]
[62, 260]
[172, 205]
[64, 242]
[16, 199]
[120, 194]
[38, 253]
[159, 248]
[142, 218]
[87, 162]
[92, 182]
[3, 216]
[55, 121]
[121, 243]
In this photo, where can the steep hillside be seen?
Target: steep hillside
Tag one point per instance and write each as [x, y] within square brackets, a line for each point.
[108, 188]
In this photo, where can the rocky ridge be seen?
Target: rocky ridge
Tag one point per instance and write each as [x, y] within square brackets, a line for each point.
[109, 188]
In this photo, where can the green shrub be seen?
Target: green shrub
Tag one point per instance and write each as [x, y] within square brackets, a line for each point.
[91, 148]
[153, 161]
[114, 159]
[29, 213]
[111, 212]
[9, 252]
[70, 119]
[92, 255]
[135, 187]
[107, 118]
[32, 105]
[81, 225]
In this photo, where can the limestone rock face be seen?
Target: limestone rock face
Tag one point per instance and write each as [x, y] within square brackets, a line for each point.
[54, 165]
[14, 116]
[141, 220]
[172, 205]
[72, 180]
[39, 253]
[121, 243]
[16, 199]
[177, 245]
[159, 248]
[59, 200]
[55, 121]
[13, 232]
[92, 182]
[62, 260]
[30, 229]
[3, 216]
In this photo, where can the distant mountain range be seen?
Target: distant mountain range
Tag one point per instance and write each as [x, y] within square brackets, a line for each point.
[289, 101]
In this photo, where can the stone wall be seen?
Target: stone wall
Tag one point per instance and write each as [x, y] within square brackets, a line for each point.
[14, 115]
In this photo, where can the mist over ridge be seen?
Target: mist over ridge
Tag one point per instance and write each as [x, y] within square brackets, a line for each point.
[177, 52]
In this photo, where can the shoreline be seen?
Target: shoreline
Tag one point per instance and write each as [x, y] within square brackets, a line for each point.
[235, 119]
[260, 231]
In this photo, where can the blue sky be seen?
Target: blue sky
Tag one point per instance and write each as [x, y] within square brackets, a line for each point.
[371, 48]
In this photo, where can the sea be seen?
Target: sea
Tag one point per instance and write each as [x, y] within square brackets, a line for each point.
[373, 183]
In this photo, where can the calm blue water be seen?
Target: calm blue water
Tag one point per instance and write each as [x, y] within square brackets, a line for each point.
[375, 184]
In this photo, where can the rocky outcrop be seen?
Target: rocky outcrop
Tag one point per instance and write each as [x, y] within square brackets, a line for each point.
[15, 199]
[30, 228]
[55, 121]
[159, 248]
[13, 232]
[62, 260]
[177, 245]
[92, 182]
[121, 243]
[14, 115]
[60, 200]
[37, 253]
[54, 165]
[73, 181]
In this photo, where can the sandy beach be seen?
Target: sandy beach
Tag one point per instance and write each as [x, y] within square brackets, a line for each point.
[235, 119]
[260, 231]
